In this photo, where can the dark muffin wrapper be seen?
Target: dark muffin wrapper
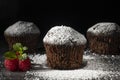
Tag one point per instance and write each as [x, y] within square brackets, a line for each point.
[64, 56]
[100, 44]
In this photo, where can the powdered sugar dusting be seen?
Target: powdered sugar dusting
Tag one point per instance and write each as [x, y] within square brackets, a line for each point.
[50, 74]
[38, 59]
[105, 67]
[105, 28]
[22, 27]
[70, 74]
[64, 35]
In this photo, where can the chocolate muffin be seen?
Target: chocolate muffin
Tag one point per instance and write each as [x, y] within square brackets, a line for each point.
[104, 38]
[64, 47]
[23, 32]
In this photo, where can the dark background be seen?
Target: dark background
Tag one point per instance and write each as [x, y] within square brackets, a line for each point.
[45, 14]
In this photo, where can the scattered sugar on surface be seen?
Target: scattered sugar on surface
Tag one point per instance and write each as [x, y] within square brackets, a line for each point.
[104, 28]
[38, 59]
[97, 68]
[88, 57]
[22, 27]
[70, 74]
[64, 35]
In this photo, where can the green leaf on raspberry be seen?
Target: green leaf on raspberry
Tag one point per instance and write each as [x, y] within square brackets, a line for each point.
[25, 48]
[20, 52]
[17, 46]
[10, 55]
[23, 56]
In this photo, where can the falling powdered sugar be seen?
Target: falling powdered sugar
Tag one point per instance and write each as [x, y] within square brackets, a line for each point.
[64, 35]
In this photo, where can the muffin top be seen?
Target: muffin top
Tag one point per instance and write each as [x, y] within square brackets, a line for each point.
[63, 35]
[22, 27]
[104, 28]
